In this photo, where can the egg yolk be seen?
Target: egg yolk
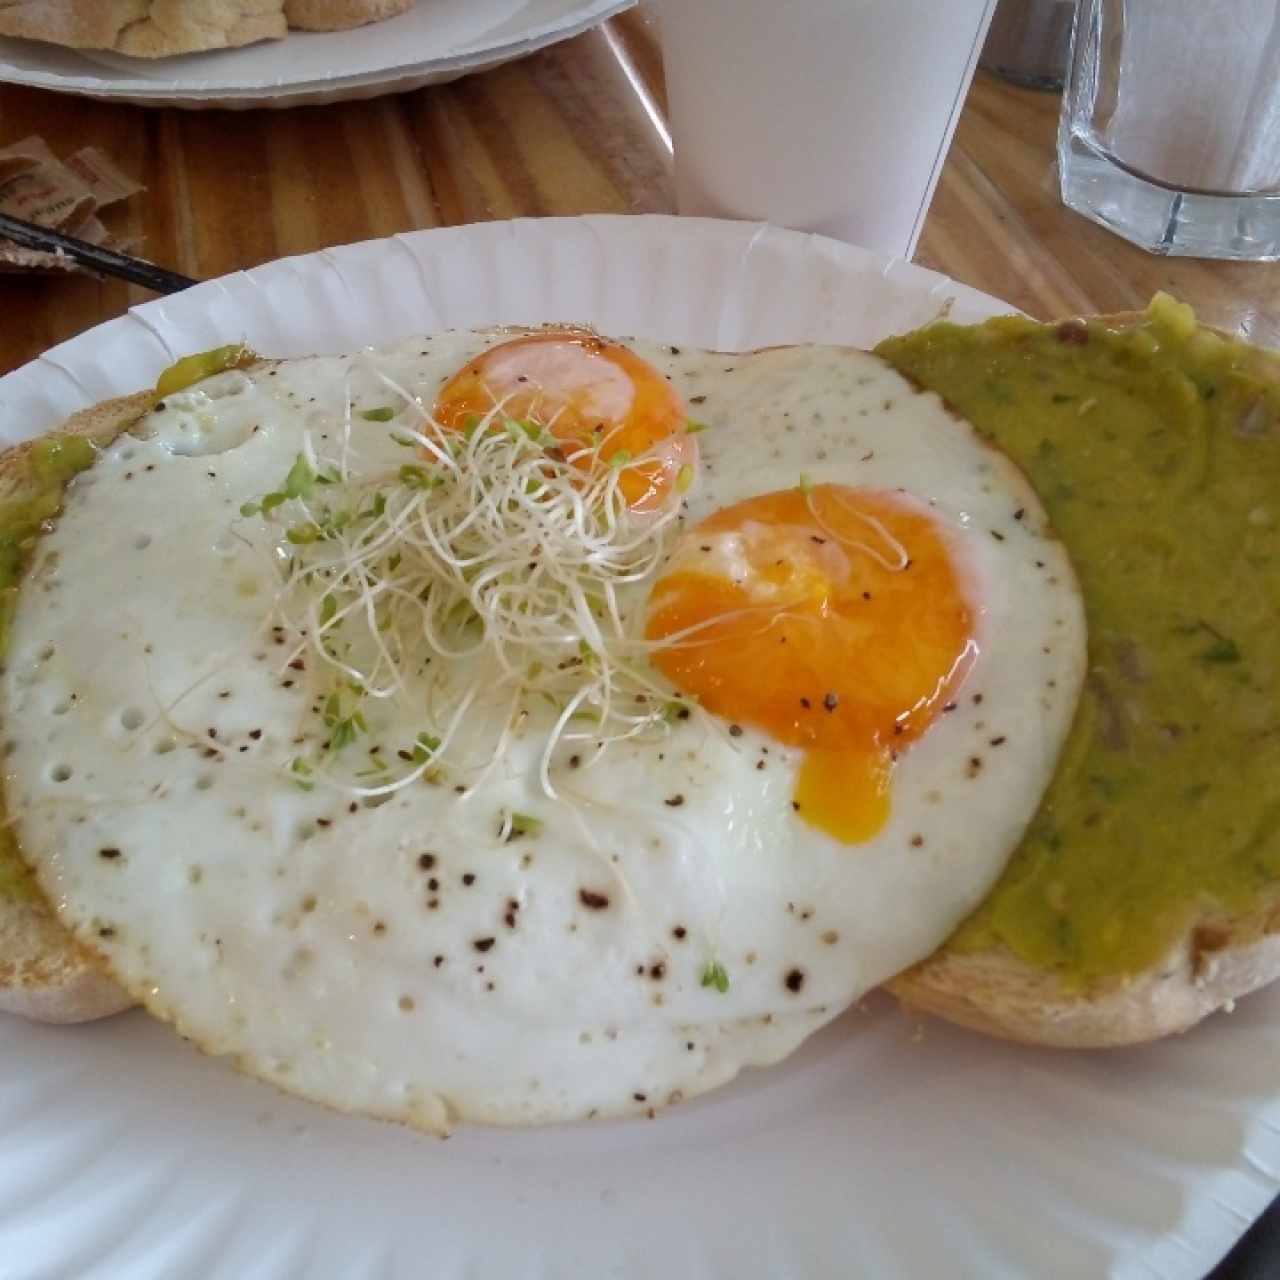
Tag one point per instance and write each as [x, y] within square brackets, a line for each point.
[597, 395]
[833, 619]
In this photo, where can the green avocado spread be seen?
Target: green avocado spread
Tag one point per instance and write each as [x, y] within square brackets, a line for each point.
[1156, 452]
[195, 368]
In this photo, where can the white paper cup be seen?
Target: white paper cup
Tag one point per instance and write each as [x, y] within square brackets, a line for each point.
[823, 115]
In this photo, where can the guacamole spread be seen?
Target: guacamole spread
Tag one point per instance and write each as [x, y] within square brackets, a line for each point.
[1156, 451]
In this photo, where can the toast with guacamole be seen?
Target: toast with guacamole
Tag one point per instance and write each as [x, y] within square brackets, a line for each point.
[1145, 894]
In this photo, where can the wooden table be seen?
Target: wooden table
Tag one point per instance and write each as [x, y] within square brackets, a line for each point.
[577, 128]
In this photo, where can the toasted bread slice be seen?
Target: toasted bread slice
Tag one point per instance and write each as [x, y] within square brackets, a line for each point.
[144, 28]
[339, 15]
[1217, 960]
[44, 973]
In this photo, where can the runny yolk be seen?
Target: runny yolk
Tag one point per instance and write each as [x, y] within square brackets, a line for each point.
[597, 395]
[834, 620]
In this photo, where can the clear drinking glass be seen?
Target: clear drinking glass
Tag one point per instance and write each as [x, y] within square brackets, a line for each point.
[1170, 132]
[1029, 42]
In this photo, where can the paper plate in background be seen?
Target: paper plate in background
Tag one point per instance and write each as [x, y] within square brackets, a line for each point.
[436, 41]
[883, 1148]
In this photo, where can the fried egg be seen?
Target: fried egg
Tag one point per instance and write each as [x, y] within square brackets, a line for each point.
[533, 728]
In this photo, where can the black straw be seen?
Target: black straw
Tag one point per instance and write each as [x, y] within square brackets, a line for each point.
[31, 235]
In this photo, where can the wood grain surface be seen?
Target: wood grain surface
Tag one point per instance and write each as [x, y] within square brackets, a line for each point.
[577, 128]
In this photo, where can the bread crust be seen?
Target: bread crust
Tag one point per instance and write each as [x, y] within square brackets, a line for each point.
[1219, 958]
[44, 973]
[165, 28]
[340, 15]
[1215, 963]
[79, 26]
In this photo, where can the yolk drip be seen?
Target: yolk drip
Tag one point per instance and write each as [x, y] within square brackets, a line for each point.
[834, 620]
[593, 394]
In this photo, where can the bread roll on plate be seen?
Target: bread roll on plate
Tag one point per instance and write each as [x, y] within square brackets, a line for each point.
[163, 28]
[1146, 893]
[144, 28]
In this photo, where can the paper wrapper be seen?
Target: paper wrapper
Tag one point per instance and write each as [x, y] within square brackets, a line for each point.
[65, 195]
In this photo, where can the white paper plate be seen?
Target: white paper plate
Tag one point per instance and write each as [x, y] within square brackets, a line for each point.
[876, 1150]
[437, 41]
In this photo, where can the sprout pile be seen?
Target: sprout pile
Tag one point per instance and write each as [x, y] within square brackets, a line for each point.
[488, 577]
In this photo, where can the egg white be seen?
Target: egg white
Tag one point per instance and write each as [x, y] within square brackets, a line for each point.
[557, 976]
